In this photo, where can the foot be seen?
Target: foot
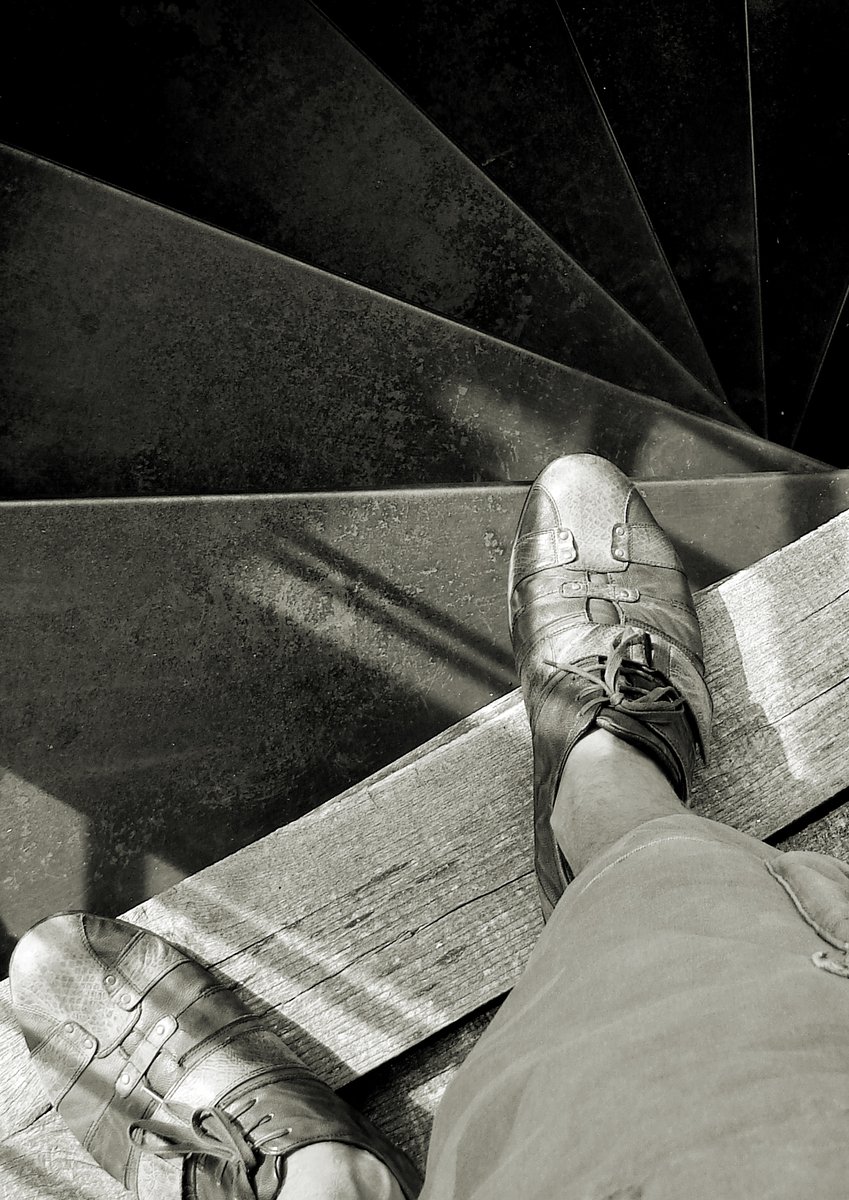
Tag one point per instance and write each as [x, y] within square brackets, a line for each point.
[605, 636]
[333, 1171]
[170, 1082]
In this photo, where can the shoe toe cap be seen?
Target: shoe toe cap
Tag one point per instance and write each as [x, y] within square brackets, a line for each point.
[63, 970]
[570, 517]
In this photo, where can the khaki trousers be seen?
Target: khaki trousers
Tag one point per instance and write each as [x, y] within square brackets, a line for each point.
[681, 1032]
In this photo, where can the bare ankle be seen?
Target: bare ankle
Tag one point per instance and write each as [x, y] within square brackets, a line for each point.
[335, 1171]
[608, 788]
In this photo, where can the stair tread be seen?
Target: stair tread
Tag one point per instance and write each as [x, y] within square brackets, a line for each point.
[673, 80]
[360, 977]
[533, 124]
[229, 664]
[801, 126]
[267, 121]
[818, 427]
[148, 352]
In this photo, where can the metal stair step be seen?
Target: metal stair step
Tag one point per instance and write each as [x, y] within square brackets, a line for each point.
[150, 353]
[181, 676]
[673, 80]
[265, 120]
[503, 80]
[801, 127]
[818, 428]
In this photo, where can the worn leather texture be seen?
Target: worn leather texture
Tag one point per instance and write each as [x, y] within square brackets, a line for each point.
[620, 590]
[142, 1049]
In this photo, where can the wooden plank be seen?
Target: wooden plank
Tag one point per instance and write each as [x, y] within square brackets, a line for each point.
[408, 901]
[142, 695]
[402, 1096]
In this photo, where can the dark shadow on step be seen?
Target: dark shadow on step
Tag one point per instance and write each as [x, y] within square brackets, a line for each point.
[401, 1096]
[180, 697]
[268, 123]
[824, 829]
[181, 678]
[818, 430]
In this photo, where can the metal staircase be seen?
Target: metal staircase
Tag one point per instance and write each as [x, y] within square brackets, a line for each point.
[294, 301]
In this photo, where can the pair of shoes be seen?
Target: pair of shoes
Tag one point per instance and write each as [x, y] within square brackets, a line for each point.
[163, 1074]
[158, 1068]
[605, 636]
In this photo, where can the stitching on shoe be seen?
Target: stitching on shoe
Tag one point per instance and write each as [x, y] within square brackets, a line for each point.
[548, 495]
[89, 949]
[665, 637]
[223, 1036]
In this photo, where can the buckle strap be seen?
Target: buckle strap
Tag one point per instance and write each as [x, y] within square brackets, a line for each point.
[647, 544]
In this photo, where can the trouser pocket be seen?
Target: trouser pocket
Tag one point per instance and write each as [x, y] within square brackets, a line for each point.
[818, 885]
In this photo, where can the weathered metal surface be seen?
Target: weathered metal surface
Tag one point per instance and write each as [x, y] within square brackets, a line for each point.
[182, 676]
[263, 119]
[673, 79]
[148, 353]
[503, 80]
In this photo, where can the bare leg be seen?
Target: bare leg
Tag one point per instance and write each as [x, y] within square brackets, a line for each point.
[608, 787]
[334, 1171]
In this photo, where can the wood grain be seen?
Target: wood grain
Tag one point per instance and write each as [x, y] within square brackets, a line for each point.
[408, 902]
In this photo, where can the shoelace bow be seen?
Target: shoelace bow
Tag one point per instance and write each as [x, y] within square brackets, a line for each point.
[620, 682]
[211, 1132]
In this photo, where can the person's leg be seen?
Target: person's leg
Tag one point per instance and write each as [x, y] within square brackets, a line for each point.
[333, 1171]
[682, 1025]
[608, 788]
[577, 586]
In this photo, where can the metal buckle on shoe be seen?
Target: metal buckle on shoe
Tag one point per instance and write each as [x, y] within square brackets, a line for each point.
[144, 1054]
[600, 591]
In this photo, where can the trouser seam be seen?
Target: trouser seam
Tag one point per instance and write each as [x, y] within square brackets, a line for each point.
[678, 837]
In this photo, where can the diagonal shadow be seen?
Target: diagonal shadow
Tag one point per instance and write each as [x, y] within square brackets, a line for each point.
[209, 679]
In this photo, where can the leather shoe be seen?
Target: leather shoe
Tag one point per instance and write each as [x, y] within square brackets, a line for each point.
[163, 1074]
[605, 635]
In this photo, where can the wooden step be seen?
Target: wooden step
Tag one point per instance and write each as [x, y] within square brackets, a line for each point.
[402, 1095]
[504, 82]
[149, 353]
[673, 80]
[801, 127]
[360, 956]
[270, 124]
[228, 664]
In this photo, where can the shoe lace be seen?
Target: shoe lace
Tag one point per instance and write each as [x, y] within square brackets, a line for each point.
[620, 683]
[209, 1132]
